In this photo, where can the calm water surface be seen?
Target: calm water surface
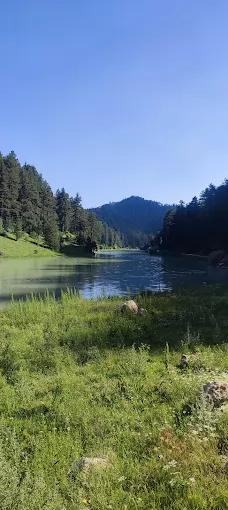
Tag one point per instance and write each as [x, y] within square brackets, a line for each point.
[111, 271]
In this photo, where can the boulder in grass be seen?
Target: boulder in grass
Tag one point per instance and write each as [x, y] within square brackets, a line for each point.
[86, 464]
[216, 392]
[129, 306]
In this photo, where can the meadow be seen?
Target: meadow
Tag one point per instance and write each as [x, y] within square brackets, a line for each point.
[24, 247]
[80, 380]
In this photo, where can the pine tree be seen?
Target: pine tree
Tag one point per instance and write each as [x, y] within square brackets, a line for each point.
[18, 229]
[63, 205]
[51, 236]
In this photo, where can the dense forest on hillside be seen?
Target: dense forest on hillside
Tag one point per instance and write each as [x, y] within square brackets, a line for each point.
[28, 205]
[200, 226]
[135, 217]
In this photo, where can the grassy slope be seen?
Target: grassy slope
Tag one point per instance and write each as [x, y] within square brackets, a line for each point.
[73, 385]
[22, 248]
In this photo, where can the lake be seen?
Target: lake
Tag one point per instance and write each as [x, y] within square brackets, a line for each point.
[110, 272]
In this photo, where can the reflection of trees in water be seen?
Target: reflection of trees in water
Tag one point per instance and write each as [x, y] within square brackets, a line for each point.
[179, 271]
[135, 272]
[66, 276]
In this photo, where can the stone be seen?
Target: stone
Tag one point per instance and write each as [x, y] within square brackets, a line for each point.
[142, 312]
[2, 254]
[129, 306]
[216, 392]
[87, 463]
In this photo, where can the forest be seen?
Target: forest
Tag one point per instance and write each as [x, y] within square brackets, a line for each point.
[28, 205]
[136, 218]
[200, 226]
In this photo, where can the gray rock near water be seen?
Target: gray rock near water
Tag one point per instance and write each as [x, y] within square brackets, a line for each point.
[216, 392]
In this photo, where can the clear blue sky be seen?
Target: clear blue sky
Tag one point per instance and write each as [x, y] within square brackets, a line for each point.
[114, 98]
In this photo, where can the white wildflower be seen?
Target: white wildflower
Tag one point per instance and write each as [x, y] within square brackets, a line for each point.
[172, 463]
[121, 478]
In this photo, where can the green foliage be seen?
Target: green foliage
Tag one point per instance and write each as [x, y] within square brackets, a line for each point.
[51, 236]
[27, 205]
[200, 226]
[78, 379]
[18, 229]
[1, 226]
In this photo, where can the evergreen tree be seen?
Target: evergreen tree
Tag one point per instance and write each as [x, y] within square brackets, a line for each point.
[51, 236]
[18, 229]
[76, 214]
[63, 210]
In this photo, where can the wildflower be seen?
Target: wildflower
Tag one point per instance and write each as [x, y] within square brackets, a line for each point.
[85, 501]
[121, 478]
[194, 432]
[192, 480]
[205, 439]
[170, 464]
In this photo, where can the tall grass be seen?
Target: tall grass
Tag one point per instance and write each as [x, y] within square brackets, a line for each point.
[78, 379]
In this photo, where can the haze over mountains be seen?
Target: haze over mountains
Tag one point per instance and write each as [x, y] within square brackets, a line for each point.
[135, 217]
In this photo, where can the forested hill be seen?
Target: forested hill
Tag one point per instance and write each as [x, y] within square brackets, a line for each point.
[28, 206]
[135, 217]
[200, 226]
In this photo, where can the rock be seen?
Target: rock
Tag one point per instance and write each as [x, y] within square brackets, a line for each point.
[129, 306]
[216, 392]
[215, 257]
[2, 254]
[87, 463]
[142, 311]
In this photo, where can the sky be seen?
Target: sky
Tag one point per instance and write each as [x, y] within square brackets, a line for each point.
[113, 98]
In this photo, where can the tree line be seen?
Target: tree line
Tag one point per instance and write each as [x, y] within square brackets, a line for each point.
[28, 205]
[200, 226]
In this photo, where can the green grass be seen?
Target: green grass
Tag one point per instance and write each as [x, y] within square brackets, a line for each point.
[78, 379]
[23, 248]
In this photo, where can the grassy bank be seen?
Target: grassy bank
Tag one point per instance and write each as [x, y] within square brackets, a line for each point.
[23, 248]
[78, 379]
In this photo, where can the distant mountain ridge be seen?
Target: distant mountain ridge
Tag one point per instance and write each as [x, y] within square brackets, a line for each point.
[135, 217]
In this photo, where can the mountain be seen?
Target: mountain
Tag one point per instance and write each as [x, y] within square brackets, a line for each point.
[135, 217]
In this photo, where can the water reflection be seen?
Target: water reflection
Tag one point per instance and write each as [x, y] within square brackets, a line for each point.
[111, 272]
